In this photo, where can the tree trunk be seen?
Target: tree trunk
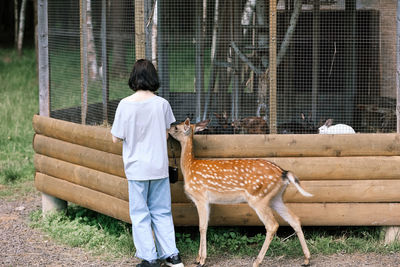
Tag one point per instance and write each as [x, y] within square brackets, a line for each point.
[21, 27]
[118, 48]
[16, 23]
[248, 13]
[154, 35]
[91, 49]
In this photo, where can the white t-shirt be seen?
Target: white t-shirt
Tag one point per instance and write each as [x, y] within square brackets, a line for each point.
[142, 126]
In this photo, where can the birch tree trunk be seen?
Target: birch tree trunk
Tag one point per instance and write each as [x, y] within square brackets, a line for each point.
[21, 27]
[92, 62]
[16, 23]
[248, 13]
[154, 35]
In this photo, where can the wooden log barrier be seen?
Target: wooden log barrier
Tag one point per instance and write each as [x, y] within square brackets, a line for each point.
[240, 146]
[329, 191]
[85, 197]
[185, 214]
[337, 168]
[80, 155]
[306, 168]
[355, 178]
[95, 137]
[112, 185]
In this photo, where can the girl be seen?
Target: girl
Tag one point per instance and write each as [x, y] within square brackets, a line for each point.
[141, 123]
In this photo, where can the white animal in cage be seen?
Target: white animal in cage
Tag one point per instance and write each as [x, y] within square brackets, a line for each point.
[328, 128]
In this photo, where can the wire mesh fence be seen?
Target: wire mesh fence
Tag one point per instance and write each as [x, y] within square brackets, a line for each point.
[335, 62]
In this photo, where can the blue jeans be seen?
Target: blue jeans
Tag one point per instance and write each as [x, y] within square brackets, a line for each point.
[150, 209]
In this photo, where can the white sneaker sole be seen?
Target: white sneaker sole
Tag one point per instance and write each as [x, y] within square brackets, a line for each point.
[175, 265]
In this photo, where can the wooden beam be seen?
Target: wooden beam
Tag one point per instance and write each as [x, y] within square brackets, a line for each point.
[338, 168]
[83, 196]
[398, 66]
[43, 50]
[140, 36]
[80, 155]
[311, 168]
[227, 146]
[326, 191]
[272, 67]
[95, 137]
[111, 185]
[185, 214]
[240, 146]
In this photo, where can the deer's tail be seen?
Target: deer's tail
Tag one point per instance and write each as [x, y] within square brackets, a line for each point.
[289, 176]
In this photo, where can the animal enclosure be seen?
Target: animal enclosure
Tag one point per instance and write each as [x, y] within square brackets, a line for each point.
[328, 59]
[267, 73]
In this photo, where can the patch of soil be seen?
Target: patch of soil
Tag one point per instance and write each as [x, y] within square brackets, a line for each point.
[21, 245]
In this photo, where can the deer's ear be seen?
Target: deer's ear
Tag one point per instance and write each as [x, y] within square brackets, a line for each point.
[186, 124]
[200, 126]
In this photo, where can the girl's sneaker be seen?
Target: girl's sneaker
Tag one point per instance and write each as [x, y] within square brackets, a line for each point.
[145, 263]
[174, 261]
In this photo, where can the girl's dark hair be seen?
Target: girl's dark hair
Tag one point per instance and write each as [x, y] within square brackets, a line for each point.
[144, 76]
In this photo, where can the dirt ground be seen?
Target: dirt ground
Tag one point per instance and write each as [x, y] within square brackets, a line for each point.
[21, 245]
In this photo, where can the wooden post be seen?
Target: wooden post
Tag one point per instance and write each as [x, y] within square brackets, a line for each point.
[392, 233]
[272, 67]
[43, 49]
[49, 203]
[162, 49]
[350, 75]
[398, 66]
[84, 54]
[139, 30]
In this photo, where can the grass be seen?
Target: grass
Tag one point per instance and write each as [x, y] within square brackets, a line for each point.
[19, 93]
[102, 235]
[109, 237]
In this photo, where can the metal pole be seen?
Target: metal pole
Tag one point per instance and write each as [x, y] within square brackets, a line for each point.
[104, 69]
[199, 83]
[49, 203]
[315, 66]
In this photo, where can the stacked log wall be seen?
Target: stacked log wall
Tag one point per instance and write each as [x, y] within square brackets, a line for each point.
[355, 179]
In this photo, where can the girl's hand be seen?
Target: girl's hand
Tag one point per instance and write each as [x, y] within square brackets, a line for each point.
[116, 139]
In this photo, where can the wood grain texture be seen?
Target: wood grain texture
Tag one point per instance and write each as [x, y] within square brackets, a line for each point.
[185, 214]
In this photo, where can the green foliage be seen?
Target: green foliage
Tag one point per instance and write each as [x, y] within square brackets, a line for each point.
[245, 241]
[19, 101]
[80, 227]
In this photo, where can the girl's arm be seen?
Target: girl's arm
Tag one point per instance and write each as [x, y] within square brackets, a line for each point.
[116, 139]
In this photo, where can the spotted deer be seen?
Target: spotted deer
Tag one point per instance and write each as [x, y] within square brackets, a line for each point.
[258, 182]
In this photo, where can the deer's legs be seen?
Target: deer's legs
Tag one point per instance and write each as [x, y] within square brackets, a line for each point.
[265, 214]
[286, 214]
[203, 211]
